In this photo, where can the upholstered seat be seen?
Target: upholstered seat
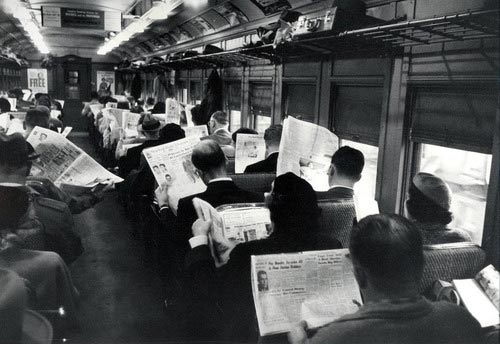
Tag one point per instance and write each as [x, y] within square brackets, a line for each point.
[255, 182]
[336, 219]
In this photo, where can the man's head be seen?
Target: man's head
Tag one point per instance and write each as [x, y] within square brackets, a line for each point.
[209, 160]
[272, 136]
[346, 167]
[4, 105]
[262, 280]
[94, 95]
[243, 130]
[387, 254]
[15, 158]
[36, 117]
[44, 100]
[218, 120]
[149, 126]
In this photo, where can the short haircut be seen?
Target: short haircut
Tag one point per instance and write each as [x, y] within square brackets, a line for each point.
[243, 131]
[44, 100]
[220, 117]
[94, 95]
[389, 247]
[348, 161]
[4, 105]
[272, 135]
[35, 117]
[158, 108]
[208, 156]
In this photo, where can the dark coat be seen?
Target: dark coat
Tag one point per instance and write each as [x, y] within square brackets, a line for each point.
[337, 193]
[133, 158]
[267, 165]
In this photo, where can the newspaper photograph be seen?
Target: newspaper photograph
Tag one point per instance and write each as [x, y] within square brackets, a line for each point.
[315, 286]
[172, 111]
[171, 164]
[198, 131]
[61, 161]
[130, 121]
[250, 148]
[306, 149]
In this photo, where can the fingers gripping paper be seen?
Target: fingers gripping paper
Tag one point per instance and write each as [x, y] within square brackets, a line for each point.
[316, 286]
[306, 149]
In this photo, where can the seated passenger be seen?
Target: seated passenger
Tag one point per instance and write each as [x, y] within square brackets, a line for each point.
[272, 136]
[294, 215]
[428, 204]
[36, 117]
[242, 131]
[345, 171]
[4, 105]
[388, 259]
[218, 129]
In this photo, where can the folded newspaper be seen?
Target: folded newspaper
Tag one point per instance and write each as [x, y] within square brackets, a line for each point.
[317, 287]
[306, 149]
[233, 224]
[62, 162]
[171, 164]
[250, 148]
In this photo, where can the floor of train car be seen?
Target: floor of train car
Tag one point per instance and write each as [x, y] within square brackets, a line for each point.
[121, 294]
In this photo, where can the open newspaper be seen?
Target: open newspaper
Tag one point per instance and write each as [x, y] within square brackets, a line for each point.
[62, 162]
[55, 114]
[480, 295]
[250, 148]
[198, 131]
[306, 149]
[66, 131]
[4, 122]
[315, 286]
[96, 108]
[233, 224]
[13, 103]
[130, 121]
[171, 164]
[16, 125]
[172, 111]
[118, 114]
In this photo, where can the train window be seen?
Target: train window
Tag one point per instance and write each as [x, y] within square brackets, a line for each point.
[467, 173]
[196, 93]
[366, 186]
[233, 104]
[299, 100]
[182, 91]
[260, 105]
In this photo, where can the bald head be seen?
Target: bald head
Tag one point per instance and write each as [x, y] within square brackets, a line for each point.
[208, 157]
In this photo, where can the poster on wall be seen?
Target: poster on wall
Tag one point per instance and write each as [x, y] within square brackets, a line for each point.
[105, 82]
[37, 80]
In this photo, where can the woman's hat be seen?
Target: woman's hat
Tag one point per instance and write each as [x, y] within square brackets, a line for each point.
[295, 193]
[433, 188]
[149, 123]
[17, 323]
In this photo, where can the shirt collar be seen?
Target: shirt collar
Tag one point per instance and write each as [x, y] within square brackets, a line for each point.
[221, 129]
[224, 179]
[11, 185]
[341, 186]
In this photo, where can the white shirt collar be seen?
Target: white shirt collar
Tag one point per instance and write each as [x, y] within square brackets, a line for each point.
[12, 185]
[224, 179]
[221, 129]
[341, 186]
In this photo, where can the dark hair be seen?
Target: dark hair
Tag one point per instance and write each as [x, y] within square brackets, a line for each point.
[243, 131]
[348, 161]
[424, 210]
[389, 247]
[171, 132]
[293, 206]
[207, 155]
[94, 95]
[150, 101]
[35, 117]
[14, 202]
[272, 135]
[220, 117]
[158, 108]
[4, 105]
[106, 99]
[44, 100]
[57, 105]
[197, 116]
[123, 105]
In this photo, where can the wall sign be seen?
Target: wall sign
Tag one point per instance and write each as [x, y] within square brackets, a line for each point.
[81, 18]
[105, 82]
[37, 80]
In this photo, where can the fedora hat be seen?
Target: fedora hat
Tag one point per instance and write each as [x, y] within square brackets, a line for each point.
[149, 123]
[14, 150]
[17, 323]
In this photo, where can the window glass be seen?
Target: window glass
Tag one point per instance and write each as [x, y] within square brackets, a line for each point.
[366, 185]
[467, 174]
[234, 120]
[299, 101]
[260, 105]
[196, 92]
[262, 123]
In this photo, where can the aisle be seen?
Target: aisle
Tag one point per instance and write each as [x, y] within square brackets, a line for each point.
[121, 296]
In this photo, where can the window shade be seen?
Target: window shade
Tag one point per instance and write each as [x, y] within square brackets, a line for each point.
[261, 99]
[300, 100]
[195, 91]
[454, 117]
[357, 113]
[233, 96]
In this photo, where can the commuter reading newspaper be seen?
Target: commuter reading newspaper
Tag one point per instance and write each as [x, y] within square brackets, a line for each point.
[171, 164]
[316, 286]
[130, 121]
[172, 111]
[62, 162]
[118, 114]
[306, 149]
[250, 149]
[232, 224]
[198, 131]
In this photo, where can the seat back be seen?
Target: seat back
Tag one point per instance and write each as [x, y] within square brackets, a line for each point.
[255, 182]
[336, 219]
[230, 166]
[451, 261]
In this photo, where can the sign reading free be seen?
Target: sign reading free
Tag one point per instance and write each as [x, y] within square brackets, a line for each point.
[81, 18]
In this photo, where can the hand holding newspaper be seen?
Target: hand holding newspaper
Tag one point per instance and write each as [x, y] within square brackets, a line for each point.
[306, 149]
[249, 150]
[62, 162]
[317, 287]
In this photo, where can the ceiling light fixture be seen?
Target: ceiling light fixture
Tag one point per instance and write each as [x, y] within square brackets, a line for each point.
[160, 11]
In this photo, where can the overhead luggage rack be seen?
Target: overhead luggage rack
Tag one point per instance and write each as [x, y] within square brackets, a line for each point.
[387, 39]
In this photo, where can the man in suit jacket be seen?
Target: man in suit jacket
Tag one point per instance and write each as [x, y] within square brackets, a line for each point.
[218, 127]
[345, 171]
[272, 136]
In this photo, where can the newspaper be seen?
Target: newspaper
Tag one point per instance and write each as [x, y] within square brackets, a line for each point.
[189, 115]
[13, 103]
[60, 102]
[66, 131]
[172, 111]
[62, 162]
[111, 105]
[55, 114]
[316, 286]
[4, 122]
[16, 125]
[96, 108]
[250, 149]
[130, 121]
[117, 114]
[171, 164]
[198, 131]
[306, 149]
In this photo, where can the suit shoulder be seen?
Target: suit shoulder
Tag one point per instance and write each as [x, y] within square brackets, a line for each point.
[51, 204]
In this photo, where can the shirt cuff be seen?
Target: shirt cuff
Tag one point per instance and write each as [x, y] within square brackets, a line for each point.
[198, 240]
